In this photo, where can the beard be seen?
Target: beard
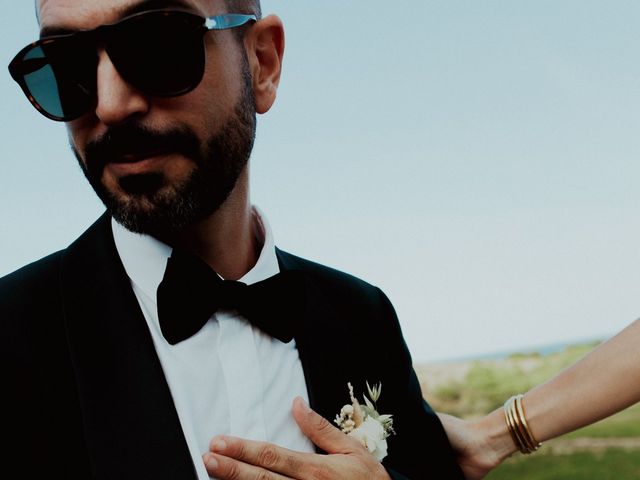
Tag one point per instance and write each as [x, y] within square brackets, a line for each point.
[153, 205]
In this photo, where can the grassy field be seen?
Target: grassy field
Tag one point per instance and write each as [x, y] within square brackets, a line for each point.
[612, 464]
[609, 449]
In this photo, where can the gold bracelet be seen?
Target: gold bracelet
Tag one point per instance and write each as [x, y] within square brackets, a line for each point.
[518, 425]
[533, 443]
[511, 424]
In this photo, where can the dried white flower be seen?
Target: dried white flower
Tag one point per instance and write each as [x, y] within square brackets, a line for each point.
[372, 435]
[365, 423]
[347, 410]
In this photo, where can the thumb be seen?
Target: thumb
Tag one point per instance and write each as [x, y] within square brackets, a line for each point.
[320, 431]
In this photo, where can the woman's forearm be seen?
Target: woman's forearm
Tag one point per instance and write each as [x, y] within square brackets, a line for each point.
[602, 383]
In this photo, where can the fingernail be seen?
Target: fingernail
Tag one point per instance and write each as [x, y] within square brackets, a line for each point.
[303, 404]
[218, 445]
[212, 463]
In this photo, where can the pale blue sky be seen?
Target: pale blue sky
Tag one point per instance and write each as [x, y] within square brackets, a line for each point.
[478, 160]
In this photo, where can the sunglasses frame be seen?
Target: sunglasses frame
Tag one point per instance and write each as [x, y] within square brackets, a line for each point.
[217, 22]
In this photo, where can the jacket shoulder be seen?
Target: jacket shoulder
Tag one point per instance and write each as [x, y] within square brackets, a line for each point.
[334, 280]
[31, 284]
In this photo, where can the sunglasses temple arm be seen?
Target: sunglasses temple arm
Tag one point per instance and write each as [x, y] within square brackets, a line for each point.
[231, 20]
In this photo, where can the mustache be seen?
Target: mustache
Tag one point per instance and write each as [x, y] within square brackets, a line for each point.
[133, 139]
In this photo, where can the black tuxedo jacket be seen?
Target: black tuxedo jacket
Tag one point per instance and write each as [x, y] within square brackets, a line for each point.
[84, 395]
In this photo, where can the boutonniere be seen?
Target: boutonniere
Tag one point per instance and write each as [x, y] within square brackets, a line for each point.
[364, 423]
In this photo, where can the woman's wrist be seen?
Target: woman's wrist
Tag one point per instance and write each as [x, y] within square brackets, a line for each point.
[495, 433]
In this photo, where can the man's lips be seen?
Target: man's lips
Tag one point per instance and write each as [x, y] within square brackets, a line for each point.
[134, 163]
[133, 157]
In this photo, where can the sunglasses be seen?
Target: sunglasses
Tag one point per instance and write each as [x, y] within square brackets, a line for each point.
[160, 53]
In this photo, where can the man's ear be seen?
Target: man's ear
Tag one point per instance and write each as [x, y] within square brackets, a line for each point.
[264, 44]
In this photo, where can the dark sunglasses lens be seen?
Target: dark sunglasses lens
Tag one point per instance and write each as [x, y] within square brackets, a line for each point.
[60, 78]
[160, 54]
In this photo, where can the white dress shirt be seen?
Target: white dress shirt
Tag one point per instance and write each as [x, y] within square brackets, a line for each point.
[229, 378]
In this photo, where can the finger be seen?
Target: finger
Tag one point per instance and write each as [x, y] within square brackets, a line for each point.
[265, 455]
[321, 432]
[224, 468]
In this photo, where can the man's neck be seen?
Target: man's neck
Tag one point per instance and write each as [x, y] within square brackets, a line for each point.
[227, 239]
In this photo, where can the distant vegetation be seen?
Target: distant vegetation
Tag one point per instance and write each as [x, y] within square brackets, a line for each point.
[606, 450]
[488, 383]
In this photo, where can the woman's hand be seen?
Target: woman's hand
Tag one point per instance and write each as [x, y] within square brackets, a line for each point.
[479, 449]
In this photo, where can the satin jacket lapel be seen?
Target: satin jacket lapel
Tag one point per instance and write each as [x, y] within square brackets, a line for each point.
[132, 428]
[329, 364]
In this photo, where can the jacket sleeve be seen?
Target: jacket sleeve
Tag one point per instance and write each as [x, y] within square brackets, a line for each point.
[419, 449]
[395, 475]
[38, 404]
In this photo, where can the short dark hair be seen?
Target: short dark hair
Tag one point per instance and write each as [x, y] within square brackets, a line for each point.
[245, 6]
[236, 6]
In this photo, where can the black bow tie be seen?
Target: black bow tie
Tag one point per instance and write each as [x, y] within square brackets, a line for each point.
[191, 292]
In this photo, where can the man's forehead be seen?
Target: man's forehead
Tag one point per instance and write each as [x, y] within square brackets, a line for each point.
[86, 14]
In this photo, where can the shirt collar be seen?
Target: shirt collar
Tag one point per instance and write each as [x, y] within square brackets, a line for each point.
[145, 258]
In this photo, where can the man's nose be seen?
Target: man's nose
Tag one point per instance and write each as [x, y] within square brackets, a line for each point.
[117, 100]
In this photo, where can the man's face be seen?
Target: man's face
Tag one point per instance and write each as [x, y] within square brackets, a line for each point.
[161, 164]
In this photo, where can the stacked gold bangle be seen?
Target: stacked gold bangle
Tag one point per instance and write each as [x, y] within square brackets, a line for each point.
[518, 426]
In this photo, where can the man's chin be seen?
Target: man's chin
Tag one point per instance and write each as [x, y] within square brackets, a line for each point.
[163, 215]
[140, 213]
[143, 186]
[139, 220]
[137, 206]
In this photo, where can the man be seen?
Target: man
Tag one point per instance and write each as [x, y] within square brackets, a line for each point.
[127, 355]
